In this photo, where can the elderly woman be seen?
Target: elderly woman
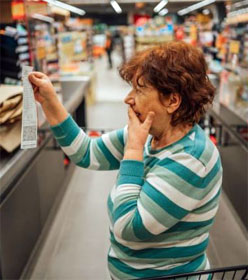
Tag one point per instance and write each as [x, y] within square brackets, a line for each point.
[166, 195]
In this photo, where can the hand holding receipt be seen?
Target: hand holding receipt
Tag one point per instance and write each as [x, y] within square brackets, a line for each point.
[45, 94]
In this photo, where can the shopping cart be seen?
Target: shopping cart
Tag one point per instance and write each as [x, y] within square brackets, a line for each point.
[227, 273]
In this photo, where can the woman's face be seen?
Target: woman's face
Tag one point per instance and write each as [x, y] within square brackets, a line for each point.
[145, 99]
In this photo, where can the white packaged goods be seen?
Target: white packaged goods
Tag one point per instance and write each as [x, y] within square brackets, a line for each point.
[29, 113]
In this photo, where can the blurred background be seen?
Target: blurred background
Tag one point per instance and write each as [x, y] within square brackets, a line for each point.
[53, 217]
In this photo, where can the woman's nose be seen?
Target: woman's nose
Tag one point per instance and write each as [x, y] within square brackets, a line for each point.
[129, 99]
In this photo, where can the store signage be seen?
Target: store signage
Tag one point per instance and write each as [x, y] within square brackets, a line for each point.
[17, 10]
[37, 7]
[140, 19]
[234, 46]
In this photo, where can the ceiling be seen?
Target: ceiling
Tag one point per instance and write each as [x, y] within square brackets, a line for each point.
[104, 7]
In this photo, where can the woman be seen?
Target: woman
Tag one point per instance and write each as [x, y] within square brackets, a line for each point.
[167, 191]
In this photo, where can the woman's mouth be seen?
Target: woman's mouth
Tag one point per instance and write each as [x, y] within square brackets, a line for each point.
[136, 113]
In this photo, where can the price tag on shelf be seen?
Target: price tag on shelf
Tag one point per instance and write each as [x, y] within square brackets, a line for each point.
[40, 52]
[234, 46]
[29, 113]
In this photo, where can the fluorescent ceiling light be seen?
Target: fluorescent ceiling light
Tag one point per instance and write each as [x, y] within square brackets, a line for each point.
[116, 6]
[160, 6]
[240, 4]
[66, 7]
[206, 12]
[163, 12]
[238, 12]
[42, 17]
[195, 7]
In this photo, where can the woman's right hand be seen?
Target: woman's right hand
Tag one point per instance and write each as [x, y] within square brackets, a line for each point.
[45, 94]
[44, 91]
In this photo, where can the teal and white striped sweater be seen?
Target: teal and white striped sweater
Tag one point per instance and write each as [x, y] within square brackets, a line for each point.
[160, 209]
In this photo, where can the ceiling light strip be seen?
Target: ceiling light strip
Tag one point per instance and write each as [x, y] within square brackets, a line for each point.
[66, 7]
[240, 4]
[195, 7]
[116, 6]
[160, 6]
[163, 12]
[238, 12]
[42, 17]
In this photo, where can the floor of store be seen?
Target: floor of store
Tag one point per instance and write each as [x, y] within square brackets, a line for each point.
[77, 243]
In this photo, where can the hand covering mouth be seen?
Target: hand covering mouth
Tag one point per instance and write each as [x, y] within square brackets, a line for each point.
[136, 113]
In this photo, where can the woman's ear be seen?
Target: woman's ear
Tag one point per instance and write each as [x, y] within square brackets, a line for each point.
[173, 102]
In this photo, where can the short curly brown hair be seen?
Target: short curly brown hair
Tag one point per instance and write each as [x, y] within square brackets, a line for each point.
[174, 67]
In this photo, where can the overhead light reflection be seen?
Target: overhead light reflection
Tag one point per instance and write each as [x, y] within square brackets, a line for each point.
[116, 6]
[66, 6]
[163, 12]
[195, 7]
[160, 6]
[240, 4]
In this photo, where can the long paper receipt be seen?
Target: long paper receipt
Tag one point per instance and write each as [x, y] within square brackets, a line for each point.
[29, 113]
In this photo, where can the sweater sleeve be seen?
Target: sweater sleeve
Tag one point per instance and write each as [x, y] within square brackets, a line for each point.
[165, 200]
[103, 153]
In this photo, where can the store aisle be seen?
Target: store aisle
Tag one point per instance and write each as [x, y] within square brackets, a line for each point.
[110, 87]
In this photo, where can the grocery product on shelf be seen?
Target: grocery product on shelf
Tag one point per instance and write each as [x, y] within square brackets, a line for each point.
[99, 44]
[75, 48]
[234, 77]
[44, 55]
[128, 45]
[14, 50]
[73, 55]
[225, 45]
[154, 32]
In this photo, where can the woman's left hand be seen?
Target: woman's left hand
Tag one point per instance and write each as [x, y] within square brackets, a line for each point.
[137, 135]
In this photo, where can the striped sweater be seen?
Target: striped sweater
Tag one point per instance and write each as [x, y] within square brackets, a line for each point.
[161, 209]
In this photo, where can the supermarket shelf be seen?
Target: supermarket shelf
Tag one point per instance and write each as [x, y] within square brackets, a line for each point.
[223, 115]
[154, 39]
[241, 113]
[32, 185]
[237, 70]
[12, 166]
[243, 18]
[231, 133]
